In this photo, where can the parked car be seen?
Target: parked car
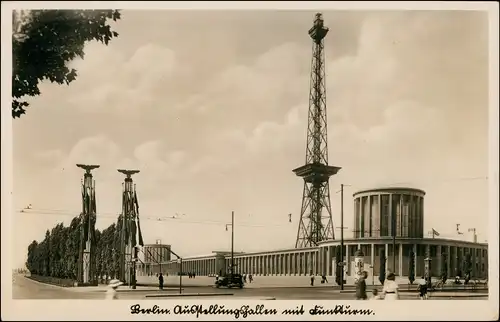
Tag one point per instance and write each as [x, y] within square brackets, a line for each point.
[230, 280]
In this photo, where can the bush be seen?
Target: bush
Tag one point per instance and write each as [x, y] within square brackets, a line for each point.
[66, 282]
[411, 267]
[338, 269]
[444, 267]
[382, 259]
[467, 267]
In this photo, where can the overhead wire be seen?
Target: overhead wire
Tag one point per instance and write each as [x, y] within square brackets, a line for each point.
[422, 181]
[177, 219]
[58, 212]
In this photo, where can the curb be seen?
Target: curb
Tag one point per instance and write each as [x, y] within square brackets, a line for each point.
[189, 294]
[172, 285]
[136, 290]
[104, 290]
[461, 295]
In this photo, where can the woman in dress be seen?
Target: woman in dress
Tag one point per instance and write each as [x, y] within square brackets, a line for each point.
[111, 294]
[390, 289]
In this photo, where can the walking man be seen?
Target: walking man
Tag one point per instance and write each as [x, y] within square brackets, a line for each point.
[160, 281]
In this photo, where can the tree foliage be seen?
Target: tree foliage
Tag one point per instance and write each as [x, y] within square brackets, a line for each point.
[46, 40]
[57, 254]
[444, 267]
[382, 262]
[338, 269]
[467, 267]
[411, 268]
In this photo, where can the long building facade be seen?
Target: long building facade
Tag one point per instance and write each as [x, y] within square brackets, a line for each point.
[376, 212]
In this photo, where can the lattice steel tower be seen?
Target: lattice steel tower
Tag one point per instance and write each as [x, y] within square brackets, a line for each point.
[316, 222]
[86, 255]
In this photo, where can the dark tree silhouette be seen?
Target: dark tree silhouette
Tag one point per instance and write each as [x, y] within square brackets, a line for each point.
[338, 260]
[467, 267]
[57, 255]
[411, 267]
[43, 41]
[382, 259]
[444, 267]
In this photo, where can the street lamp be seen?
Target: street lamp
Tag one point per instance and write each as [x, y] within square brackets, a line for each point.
[342, 233]
[232, 242]
[179, 260]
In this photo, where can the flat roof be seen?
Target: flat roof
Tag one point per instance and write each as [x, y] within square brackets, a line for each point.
[157, 245]
[355, 241]
[393, 188]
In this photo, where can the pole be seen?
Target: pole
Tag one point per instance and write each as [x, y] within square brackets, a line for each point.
[129, 226]
[88, 242]
[394, 228]
[232, 243]
[180, 278]
[342, 236]
[161, 256]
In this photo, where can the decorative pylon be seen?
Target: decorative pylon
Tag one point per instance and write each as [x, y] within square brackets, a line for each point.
[86, 256]
[315, 224]
[130, 229]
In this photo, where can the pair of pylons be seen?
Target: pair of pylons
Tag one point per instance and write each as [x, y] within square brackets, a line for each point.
[129, 227]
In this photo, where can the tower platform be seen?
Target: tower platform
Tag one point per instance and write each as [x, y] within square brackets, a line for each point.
[316, 172]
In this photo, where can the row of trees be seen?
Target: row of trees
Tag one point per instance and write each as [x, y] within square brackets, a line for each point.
[57, 254]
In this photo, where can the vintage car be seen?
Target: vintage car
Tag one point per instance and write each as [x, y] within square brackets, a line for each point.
[230, 280]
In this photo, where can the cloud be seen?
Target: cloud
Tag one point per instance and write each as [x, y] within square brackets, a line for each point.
[49, 156]
[257, 90]
[275, 137]
[156, 164]
[125, 84]
[93, 150]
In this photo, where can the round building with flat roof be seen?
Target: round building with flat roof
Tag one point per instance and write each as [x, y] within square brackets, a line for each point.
[378, 211]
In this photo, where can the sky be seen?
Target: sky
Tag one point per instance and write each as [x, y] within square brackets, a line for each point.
[211, 107]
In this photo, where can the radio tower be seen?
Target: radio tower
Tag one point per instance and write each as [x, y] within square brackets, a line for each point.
[315, 224]
[86, 257]
[129, 229]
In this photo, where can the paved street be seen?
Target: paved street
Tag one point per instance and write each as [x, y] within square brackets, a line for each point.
[24, 288]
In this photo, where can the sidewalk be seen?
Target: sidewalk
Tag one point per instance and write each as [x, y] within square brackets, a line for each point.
[457, 294]
[258, 282]
[124, 288]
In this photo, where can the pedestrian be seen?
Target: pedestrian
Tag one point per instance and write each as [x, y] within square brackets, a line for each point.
[390, 289]
[160, 281]
[244, 278]
[361, 287]
[375, 295]
[422, 290]
[250, 278]
[111, 293]
[323, 279]
[312, 279]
